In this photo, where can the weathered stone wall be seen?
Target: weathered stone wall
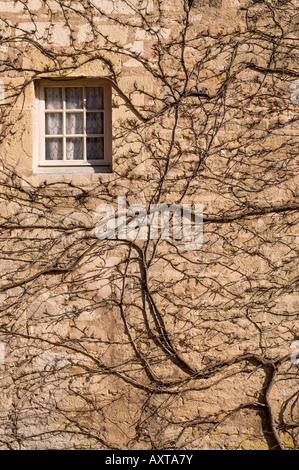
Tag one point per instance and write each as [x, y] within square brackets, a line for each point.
[139, 345]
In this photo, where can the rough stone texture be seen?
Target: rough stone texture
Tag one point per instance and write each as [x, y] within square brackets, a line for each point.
[113, 344]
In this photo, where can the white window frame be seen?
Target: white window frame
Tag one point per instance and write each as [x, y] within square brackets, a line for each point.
[40, 154]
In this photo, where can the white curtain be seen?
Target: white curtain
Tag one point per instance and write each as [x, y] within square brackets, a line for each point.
[74, 98]
[53, 123]
[54, 149]
[94, 98]
[74, 149]
[74, 123]
[54, 146]
[95, 148]
[94, 123]
[74, 126]
[53, 98]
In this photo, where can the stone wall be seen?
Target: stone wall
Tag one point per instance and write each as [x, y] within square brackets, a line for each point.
[144, 344]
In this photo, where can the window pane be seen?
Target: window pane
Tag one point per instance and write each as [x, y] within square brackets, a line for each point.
[54, 149]
[94, 98]
[53, 98]
[53, 123]
[94, 123]
[74, 98]
[74, 123]
[74, 149]
[95, 148]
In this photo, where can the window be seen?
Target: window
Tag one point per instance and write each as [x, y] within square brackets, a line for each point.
[73, 123]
